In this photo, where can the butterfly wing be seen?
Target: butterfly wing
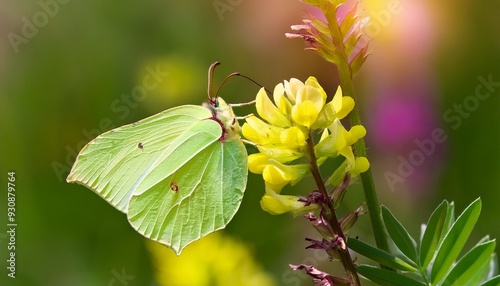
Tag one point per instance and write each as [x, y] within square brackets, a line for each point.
[178, 203]
[115, 162]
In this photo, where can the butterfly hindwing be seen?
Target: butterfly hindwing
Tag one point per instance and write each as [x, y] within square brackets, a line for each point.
[200, 196]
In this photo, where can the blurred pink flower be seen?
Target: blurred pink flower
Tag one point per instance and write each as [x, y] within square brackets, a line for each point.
[402, 102]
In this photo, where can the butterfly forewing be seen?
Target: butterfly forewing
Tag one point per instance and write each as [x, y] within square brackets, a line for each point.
[113, 163]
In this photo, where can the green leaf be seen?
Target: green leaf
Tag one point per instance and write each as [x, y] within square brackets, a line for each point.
[482, 273]
[378, 255]
[433, 230]
[450, 219]
[386, 277]
[493, 268]
[399, 235]
[472, 265]
[495, 281]
[454, 241]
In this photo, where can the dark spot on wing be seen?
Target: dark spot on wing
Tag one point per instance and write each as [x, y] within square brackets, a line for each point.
[140, 146]
[174, 187]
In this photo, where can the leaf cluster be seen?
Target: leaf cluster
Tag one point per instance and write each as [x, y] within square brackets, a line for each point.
[434, 259]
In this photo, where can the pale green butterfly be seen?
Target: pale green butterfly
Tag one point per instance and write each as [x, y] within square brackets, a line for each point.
[178, 175]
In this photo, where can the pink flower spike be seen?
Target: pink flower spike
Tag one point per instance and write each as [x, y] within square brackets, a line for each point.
[300, 27]
[345, 10]
[319, 277]
[293, 36]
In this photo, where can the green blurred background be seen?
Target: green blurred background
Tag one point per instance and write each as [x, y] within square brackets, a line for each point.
[67, 69]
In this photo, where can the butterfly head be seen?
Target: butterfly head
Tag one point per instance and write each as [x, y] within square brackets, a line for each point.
[224, 115]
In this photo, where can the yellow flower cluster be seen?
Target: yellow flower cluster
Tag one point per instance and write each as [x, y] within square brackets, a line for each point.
[217, 259]
[282, 135]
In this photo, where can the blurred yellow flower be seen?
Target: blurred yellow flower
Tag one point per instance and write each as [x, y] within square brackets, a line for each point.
[215, 260]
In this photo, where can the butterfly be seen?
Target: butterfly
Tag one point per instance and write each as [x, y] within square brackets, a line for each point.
[178, 175]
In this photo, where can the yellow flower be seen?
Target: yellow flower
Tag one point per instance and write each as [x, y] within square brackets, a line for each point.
[354, 168]
[361, 165]
[257, 162]
[268, 111]
[277, 175]
[294, 138]
[291, 88]
[281, 100]
[276, 204]
[279, 153]
[282, 134]
[338, 107]
[339, 141]
[225, 261]
[309, 100]
[260, 132]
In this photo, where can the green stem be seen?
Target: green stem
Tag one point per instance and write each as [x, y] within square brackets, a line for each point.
[360, 150]
[345, 257]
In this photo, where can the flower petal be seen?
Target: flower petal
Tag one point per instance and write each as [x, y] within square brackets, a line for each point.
[347, 106]
[268, 111]
[277, 175]
[361, 165]
[291, 88]
[280, 153]
[260, 132]
[305, 113]
[357, 132]
[276, 204]
[293, 138]
[257, 162]
[313, 82]
[315, 95]
[281, 100]
[325, 117]
[331, 145]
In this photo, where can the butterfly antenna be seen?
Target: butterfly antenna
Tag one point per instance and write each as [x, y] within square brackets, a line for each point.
[254, 81]
[211, 70]
[244, 76]
[224, 81]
